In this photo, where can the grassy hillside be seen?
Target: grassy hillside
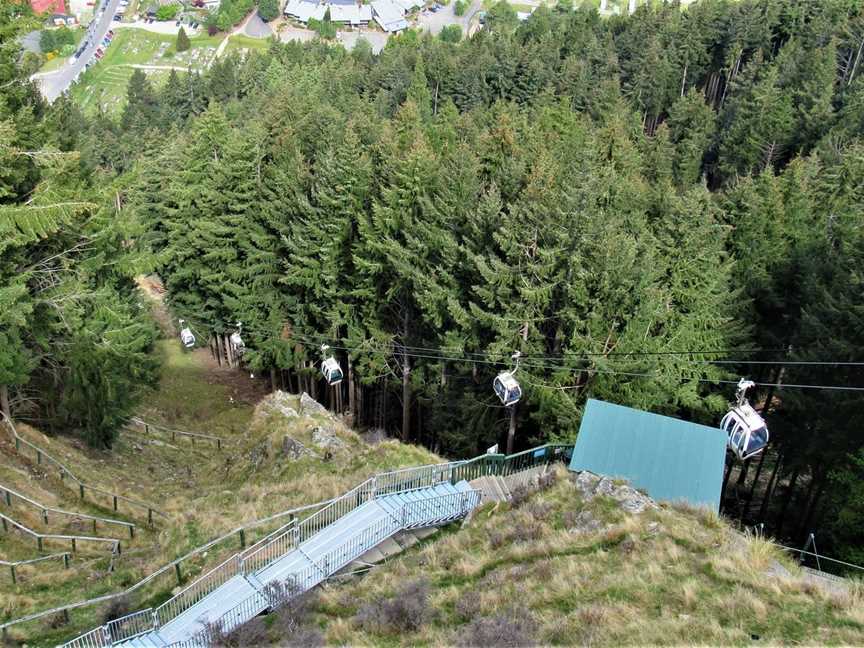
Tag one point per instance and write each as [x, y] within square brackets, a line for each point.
[556, 569]
[204, 492]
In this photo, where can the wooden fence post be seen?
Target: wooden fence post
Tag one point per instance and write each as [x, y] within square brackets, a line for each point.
[81, 490]
[179, 575]
[14, 580]
[242, 538]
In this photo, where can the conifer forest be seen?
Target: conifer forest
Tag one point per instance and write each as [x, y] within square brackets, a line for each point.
[647, 208]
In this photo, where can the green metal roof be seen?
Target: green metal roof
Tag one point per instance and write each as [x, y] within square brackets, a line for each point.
[668, 458]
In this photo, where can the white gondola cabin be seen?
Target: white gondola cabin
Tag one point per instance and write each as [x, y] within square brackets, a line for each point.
[331, 371]
[507, 388]
[237, 345]
[746, 431]
[186, 336]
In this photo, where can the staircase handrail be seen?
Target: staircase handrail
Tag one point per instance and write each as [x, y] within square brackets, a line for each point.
[196, 590]
[370, 486]
[332, 562]
[8, 493]
[82, 485]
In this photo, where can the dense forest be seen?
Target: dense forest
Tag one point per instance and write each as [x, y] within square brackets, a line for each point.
[646, 207]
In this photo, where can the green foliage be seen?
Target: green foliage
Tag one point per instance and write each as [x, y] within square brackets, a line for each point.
[168, 11]
[52, 40]
[231, 12]
[268, 9]
[451, 34]
[183, 43]
[459, 7]
[324, 28]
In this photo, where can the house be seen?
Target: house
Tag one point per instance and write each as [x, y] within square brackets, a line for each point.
[389, 15]
[350, 14]
[46, 6]
[63, 20]
[668, 458]
[304, 10]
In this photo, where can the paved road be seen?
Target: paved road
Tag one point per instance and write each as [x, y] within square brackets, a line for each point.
[58, 82]
[376, 39]
[435, 22]
[257, 28]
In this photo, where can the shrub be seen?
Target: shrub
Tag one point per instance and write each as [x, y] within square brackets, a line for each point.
[459, 7]
[117, 608]
[512, 628]
[407, 611]
[451, 34]
[167, 12]
[268, 9]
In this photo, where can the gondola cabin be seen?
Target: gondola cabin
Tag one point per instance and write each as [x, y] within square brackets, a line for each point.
[186, 337]
[237, 343]
[746, 432]
[507, 388]
[331, 371]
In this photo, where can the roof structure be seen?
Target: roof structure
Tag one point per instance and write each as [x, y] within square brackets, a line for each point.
[350, 13]
[390, 15]
[408, 5]
[304, 10]
[42, 6]
[669, 458]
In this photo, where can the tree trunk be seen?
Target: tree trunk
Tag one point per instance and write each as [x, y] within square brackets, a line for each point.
[232, 361]
[4, 402]
[272, 379]
[352, 396]
[725, 481]
[790, 493]
[406, 397]
[218, 350]
[763, 509]
[511, 431]
[756, 476]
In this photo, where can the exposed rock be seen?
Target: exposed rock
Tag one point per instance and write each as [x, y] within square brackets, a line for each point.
[281, 402]
[309, 405]
[259, 453]
[585, 523]
[293, 449]
[653, 528]
[632, 500]
[326, 438]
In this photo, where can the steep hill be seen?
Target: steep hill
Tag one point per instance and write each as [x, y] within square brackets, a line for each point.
[277, 452]
[577, 564]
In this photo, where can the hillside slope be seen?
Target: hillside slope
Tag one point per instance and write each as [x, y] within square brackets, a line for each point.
[277, 453]
[561, 567]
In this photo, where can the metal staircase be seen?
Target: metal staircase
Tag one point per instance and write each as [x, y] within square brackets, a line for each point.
[304, 553]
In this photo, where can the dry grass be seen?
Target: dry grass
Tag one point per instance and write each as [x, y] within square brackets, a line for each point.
[692, 581]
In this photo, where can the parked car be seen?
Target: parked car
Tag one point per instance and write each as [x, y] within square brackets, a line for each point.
[111, 33]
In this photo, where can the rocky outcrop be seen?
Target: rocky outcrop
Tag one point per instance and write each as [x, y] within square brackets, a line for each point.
[309, 406]
[327, 439]
[631, 500]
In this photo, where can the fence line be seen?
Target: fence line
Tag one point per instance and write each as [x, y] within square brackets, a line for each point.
[550, 453]
[8, 493]
[65, 472]
[147, 425]
[40, 538]
[13, 565]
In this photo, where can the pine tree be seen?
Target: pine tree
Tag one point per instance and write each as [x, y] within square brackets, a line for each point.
[183, 42]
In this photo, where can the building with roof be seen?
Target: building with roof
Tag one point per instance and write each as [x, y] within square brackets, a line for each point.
[45, 6]
[351, 14]
[668, 458]
[304, 10]
[389, 15]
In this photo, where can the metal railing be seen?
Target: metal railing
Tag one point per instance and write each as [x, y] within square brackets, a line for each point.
[441, 508]
[83, 487]
[294, 533]
[196, 590]
[130, 625]
[7, 495]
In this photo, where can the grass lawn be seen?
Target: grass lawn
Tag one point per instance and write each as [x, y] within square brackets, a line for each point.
[246, 43]
[105, 83]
